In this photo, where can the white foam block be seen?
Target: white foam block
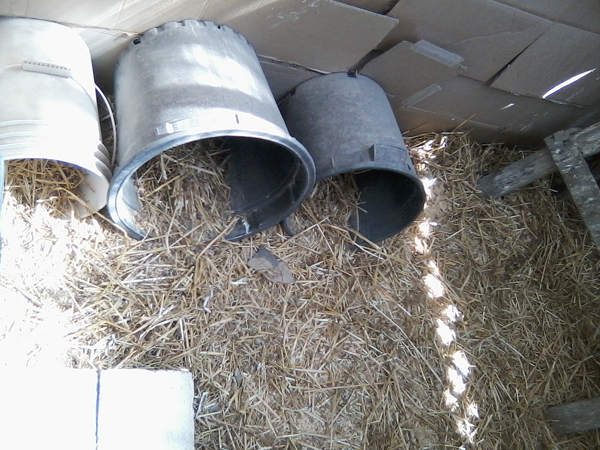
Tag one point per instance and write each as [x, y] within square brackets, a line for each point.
[48, 409]
[145, 409]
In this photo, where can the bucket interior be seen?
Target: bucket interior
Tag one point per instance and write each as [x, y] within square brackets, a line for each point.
[260, 174]
[66, 189]
[388, 202]
[257, 180]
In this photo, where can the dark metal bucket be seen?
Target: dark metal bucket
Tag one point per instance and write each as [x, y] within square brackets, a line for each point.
[348, 126]
[189, 81]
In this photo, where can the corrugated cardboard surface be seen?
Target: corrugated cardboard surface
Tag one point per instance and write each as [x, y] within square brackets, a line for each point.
[124, 15]
[559, 54]
[318, 34]
[472, 100]
[414, 122]
[377, 6]
[282, 78]
[512, 45]
[582, 14]
[105, 48]
[487, 34]
[408, 68]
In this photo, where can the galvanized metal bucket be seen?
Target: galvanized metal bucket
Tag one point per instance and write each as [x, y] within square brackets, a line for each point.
[348, 126]
[189, 81]
[48, 103]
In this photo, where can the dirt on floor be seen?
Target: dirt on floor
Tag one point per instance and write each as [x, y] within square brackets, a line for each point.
[457, 333]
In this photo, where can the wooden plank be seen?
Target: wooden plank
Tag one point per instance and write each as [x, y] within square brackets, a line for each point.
[575, 417]
[560, 188]
[535, 166]
[293, 30]
[579, 180]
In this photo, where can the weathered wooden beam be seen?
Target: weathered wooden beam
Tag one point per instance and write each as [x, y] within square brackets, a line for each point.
[560, 188]
[535, 166]
[518, 174]
[578, 178]
[575, 417]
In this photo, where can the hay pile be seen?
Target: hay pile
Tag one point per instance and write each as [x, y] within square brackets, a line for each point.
[458, 332]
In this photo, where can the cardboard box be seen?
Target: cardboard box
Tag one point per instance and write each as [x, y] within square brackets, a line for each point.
[561, 53]
[409, 68]
[487, 34]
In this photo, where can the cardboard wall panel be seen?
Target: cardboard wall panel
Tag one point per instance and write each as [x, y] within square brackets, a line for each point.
[584, 14]
[487, 34]
[467, 99]
[282, 78]
[105, 47]
[102, 13]
[558, 55]
[409, 68]
[376, 6]
[300, 38]
[123, 15]
[414, 122]
[319, 34]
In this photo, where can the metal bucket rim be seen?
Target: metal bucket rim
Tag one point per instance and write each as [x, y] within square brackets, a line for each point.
[124, 173]
[324, 76]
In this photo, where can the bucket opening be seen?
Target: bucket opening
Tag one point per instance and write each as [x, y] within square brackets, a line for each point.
[65, 189]
[266, 181]
[260, 172]
[388, 202]
[254, 179]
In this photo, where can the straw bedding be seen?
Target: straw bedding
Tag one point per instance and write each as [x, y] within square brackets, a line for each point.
[458, 332]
